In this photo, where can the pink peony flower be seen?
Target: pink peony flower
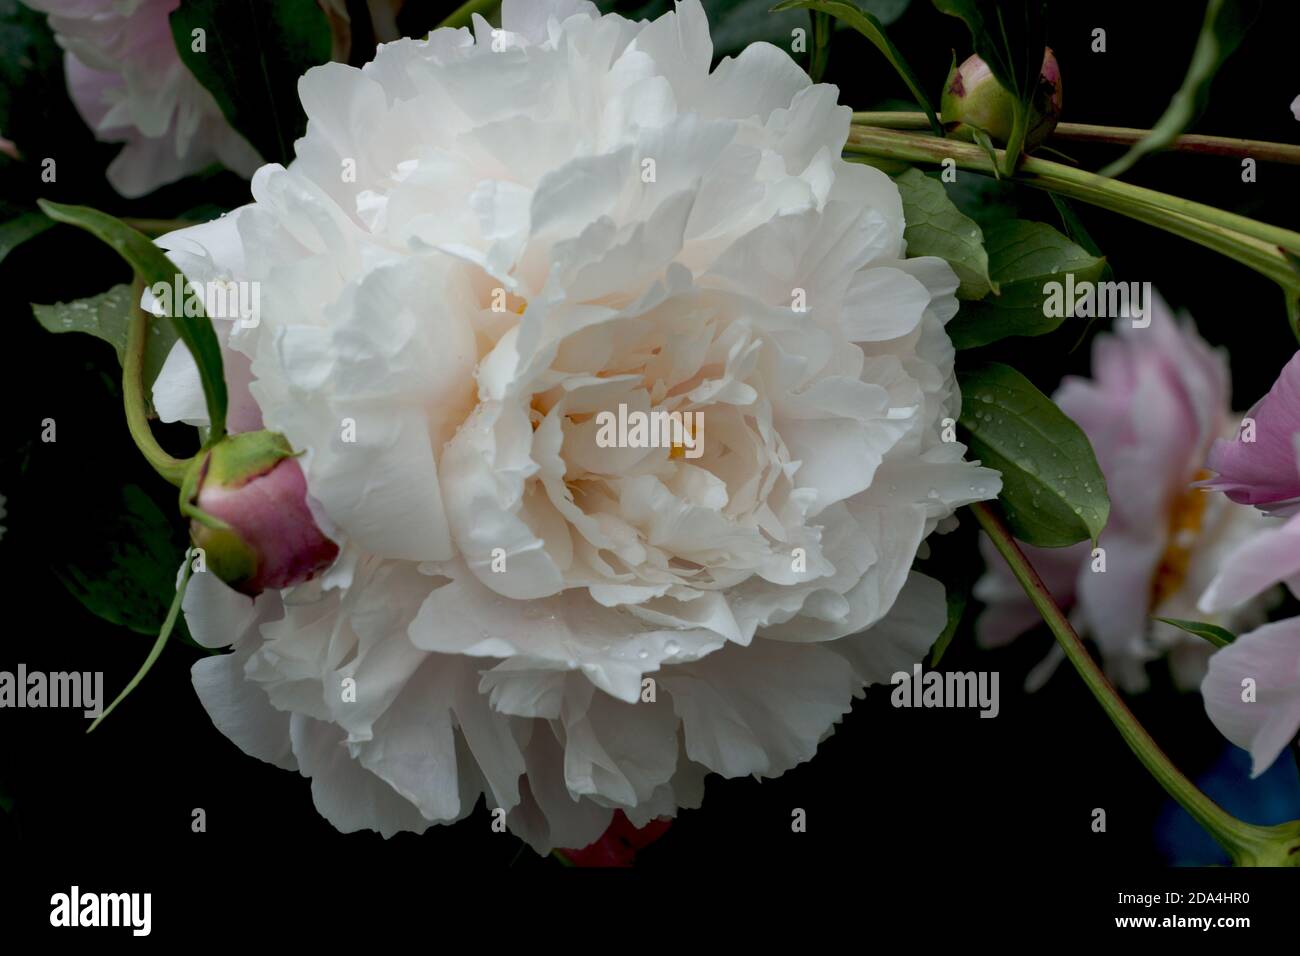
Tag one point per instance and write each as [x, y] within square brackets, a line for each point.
[1158, 399]
[130, 86]
[1258, 465]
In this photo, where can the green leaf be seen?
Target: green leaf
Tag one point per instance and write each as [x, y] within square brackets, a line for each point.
[871, 28]
[936, 227]
[255, 53]
[1053, 492]
[1073, 225]
[1218, 636]
[152, 267]
[21, 228]
[958, 598]
[123, 566]
[107, 316]
[169, 624]
[1224, 25]
[1023, 258]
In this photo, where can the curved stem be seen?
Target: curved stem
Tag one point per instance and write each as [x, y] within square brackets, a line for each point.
[137, 416]
[1117, 135]
[1246, 843]
[1250, 241]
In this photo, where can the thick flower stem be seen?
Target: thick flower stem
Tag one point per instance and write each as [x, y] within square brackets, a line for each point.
[1247, 844]
[1117, 136]
[1256, 244]
[137, 417]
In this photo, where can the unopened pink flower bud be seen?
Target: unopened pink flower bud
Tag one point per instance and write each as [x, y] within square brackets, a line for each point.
[253, 485]
[973, 98]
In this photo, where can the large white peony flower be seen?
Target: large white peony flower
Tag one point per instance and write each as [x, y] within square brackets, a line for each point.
[546, 222]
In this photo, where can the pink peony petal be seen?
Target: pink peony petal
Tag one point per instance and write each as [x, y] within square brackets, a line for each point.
[1252, 691]
[1263, 471]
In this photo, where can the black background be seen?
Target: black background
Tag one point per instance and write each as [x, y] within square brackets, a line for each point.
[933, 796]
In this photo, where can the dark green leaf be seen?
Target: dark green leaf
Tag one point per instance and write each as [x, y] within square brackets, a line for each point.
[1023, 258]
[255, 53]
[1218, 636]
[107, 316]
[871, 28]
[123, 568]
[1226, 22]
[1073, 225]
[936, 227]
[38, 116]
[26, 47]
[1053, 492]
[957, 598]
[21, 228]
[152, 267]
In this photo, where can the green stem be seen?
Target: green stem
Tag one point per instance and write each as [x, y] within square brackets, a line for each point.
[463, 15]
[821, 52]
[1118, 136]
[1246, 843]
[133, 401]
[1250, 241]
[156, 651]
[1016, 142]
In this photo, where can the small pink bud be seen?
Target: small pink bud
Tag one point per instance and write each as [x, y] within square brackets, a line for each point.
[972, 97]
[252, 483]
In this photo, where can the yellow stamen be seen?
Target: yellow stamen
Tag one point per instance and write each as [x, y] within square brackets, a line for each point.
[1185, 520]
[678, 450]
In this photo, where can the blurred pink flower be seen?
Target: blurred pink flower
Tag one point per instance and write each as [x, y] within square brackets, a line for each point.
[130, 86]
[1158, 398]
[1258, 466]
